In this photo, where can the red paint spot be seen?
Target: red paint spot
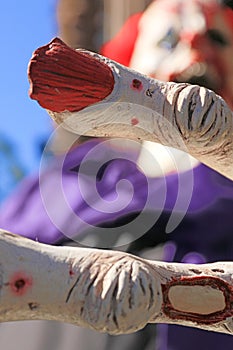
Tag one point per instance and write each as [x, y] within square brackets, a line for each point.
[213, 282]
[20, 283]
[71, 271]
[62, 78]
[134, 121]
[136, 85]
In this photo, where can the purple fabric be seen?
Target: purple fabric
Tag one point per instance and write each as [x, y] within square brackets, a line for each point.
[52, 197]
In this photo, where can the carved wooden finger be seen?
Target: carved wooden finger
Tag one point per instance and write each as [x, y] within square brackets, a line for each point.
[110, 291]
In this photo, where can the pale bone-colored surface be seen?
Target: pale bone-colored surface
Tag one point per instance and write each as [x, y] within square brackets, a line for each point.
[188, 299]
[187, 117]
[109, 291]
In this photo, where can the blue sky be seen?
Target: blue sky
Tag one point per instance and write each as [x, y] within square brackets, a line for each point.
[24, 26]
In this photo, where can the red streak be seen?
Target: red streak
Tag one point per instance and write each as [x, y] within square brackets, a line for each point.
[71, 272]
[20, 283]
[63, 79]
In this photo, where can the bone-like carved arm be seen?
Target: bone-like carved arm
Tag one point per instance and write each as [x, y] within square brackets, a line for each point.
[108, 291]
[187, 117]
[93, 95]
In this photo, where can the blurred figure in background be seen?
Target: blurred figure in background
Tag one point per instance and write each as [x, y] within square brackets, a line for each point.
[182, 40]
